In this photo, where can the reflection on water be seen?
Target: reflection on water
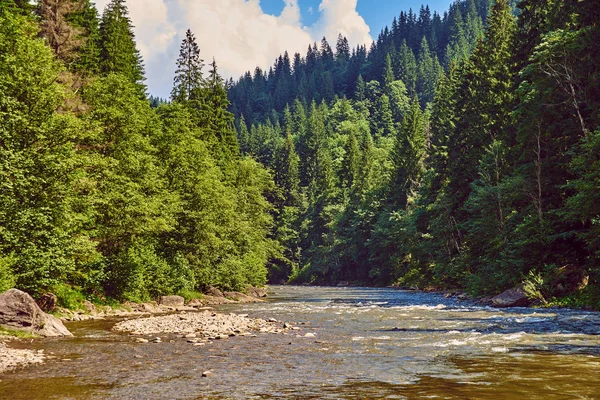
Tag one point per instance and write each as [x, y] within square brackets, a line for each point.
[366, 343]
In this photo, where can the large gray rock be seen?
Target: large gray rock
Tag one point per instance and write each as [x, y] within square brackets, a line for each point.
[514, 297]
[19, 311]
[172, 301]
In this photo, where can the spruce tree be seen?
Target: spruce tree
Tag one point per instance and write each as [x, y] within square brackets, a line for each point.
[119, 54]
[188, 81]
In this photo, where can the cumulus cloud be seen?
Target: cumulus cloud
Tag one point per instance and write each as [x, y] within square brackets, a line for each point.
[237, 33]
[340, 16]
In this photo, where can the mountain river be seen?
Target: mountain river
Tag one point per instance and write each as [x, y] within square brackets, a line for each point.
[361, 344]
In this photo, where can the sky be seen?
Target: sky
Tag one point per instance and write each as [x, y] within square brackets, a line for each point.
[243, 34]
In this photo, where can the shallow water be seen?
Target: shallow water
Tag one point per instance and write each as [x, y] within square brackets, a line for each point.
[368, 344]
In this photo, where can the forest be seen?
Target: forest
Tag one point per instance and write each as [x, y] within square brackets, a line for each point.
[458, 151]
[104, 196]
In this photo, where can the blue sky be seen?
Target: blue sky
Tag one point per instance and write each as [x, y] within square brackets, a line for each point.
[244, 34]
[377, 13]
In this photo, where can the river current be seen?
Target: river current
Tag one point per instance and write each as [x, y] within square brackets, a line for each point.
[353, 343]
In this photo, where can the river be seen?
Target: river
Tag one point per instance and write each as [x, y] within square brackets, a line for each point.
[361, 344]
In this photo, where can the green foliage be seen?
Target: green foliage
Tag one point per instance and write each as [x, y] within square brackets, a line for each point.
[7, 277]
[68, 296]
[487, 187]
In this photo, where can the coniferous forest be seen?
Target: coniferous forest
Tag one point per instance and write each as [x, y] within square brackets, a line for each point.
[458, 151]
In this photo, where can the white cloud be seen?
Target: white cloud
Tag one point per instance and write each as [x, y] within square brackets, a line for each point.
[340, 16]
[237, 33]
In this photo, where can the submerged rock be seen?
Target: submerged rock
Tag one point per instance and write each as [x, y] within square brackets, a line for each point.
[515, 297]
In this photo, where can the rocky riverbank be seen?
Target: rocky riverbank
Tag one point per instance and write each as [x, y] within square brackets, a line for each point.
[19, 312]
[15, 358]
[199, 327]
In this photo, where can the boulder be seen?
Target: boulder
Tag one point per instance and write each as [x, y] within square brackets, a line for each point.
[172, 301]
[214, 292]
[90, 308]
[195, 303]
[258, 292]
[19, 311]
[48, 302]
[240, 297]
[515, 297]
[215, 301]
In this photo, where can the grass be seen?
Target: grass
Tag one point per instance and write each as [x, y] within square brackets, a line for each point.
[16, 333]
[190, 295]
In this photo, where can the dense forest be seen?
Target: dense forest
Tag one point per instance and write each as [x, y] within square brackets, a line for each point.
[459, 151]
[103, 195]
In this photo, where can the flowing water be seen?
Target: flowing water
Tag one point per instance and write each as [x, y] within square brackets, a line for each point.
[362, 344]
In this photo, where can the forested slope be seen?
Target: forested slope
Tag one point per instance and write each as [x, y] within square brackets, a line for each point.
[458, 151]
[103, 196]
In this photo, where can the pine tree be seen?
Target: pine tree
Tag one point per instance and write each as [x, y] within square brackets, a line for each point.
[408, 156]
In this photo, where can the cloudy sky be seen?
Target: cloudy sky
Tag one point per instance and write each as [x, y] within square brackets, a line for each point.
[243, 34]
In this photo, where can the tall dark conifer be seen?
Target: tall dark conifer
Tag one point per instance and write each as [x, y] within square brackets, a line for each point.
[188, 81]
[118, 53]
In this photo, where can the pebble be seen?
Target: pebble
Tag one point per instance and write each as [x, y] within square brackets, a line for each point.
[309, 335]
[190, 335]
[271, 320]
[206, 374]
[141, 340]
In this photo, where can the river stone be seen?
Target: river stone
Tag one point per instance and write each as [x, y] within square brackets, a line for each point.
[213, 291]
[195, 303]
[515, 297]
[258, 292]
[19, 311]
[172, 301]
[89, 307]
[240, 297]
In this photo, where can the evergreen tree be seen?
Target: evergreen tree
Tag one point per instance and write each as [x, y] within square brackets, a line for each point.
[188, 82]
[118, 53]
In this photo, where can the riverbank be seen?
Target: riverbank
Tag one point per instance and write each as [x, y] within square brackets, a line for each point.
[11, 358]
[191, 319]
